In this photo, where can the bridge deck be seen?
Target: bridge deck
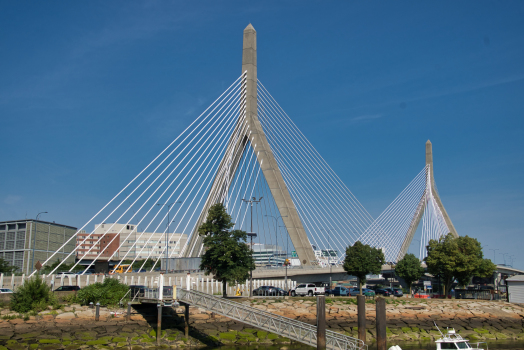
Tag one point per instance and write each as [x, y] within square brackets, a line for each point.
[286, 327]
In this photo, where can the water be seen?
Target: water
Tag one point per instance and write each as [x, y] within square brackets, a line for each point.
[499, 345]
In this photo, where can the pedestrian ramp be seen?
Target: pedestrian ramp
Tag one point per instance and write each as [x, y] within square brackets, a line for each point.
[283, 326]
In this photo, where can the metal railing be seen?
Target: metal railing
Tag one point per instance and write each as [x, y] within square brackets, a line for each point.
[283, 326]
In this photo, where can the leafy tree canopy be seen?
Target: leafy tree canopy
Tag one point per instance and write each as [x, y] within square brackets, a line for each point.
[457, 258]
[226, 256]
[5, 268]
[409, 269]
[33, 295]
[362, 260]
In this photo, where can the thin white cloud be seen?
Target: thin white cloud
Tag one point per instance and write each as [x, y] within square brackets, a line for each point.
[367, 117]
[12, 199]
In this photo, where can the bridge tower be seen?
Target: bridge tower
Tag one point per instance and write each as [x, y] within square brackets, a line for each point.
[422, 206]
[256, 138]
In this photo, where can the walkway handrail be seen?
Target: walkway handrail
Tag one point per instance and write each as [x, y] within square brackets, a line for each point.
[292, 329]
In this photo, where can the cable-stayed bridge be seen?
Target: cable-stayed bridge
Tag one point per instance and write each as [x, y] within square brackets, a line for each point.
[245, 147]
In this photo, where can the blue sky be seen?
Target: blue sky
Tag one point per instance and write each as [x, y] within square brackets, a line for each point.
[90, 92]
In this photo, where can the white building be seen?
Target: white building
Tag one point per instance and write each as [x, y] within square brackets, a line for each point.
[268, 254]
[123, 241]
[326, 256]
[515, 287]
[152, 245]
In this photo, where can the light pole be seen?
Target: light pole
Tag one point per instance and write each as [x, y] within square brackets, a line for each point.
[494, 256]
[168, 205]
[251, 234]
[34, 241]
[276, 232]
[504, 257]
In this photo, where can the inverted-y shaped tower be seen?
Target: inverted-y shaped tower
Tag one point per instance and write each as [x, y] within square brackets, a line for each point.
[422, 205]
[254, 137]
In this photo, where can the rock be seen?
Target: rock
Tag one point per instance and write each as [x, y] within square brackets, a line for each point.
[66, 315]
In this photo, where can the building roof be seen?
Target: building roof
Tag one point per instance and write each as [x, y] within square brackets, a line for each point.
[519, 278]
[40, 221]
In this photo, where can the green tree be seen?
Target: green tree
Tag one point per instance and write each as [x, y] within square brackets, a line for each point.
[6, 268]
[409, 269]
[457, 258]
[227, 255]
[33, 295]
[362, 260]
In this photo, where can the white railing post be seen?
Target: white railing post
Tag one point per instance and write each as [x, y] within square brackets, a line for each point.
[207, 285]
[87, 280]
[2, 280]
[188, 281]
[161, 287]
[61, 280]
[212, 284]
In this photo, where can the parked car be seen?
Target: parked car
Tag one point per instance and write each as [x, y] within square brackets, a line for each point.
[365, 291]
[67, 289]
[308, 289]
[265, 290]
[65, 274]
[383, 291]
[5, 290]
[339, 292]
[281, 292]
[368, 292]
[397, 292]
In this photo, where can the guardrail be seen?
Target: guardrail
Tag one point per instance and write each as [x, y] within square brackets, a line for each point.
[286, 327]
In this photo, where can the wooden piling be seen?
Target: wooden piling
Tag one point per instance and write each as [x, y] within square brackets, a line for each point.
[186, 321]
[361, 320]
[381, 324]
[159, 324]
[321, 322]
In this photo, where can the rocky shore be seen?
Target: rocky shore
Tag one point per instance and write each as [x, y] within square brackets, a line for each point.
[73, 326]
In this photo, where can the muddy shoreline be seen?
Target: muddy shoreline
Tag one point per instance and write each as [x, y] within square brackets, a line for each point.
[408, 320]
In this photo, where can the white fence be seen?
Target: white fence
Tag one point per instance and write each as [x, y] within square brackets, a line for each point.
[201, 284]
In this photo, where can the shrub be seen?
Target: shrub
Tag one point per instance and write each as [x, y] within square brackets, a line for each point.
[108, 293]
[33, 295]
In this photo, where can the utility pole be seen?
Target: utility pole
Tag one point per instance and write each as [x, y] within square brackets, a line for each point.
[251, 234]
[167, 231]
[276, 232]
[34, 241]
[494, 256]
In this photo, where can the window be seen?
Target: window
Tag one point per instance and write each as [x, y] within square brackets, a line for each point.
[302, 286]
[447, 346]
[463, 345]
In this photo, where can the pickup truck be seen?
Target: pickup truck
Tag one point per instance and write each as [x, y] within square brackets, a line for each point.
[309, 289]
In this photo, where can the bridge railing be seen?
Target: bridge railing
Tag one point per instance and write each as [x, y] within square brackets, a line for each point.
[292, 329]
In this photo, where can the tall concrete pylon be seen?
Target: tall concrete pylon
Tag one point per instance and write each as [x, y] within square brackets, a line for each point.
[422, 206]
[256, 137]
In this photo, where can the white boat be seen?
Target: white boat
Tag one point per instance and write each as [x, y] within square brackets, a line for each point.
[453, 341]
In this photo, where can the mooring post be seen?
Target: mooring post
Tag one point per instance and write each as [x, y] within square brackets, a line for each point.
[186, 320]
[97, 312]
[321, 322]
[381, 323]
[128, 311]
[361, 307]
[159, 324]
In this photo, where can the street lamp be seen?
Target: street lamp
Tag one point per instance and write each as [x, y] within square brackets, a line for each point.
[504, 257]
[34, 241]
[494, 256]
[251, 234]
[276, 223]
[286, 262]
[168, 205]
